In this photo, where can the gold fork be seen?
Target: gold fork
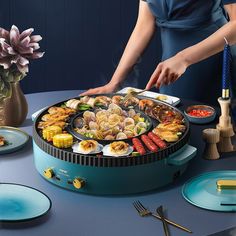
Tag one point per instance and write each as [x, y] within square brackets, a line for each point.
[143, 211]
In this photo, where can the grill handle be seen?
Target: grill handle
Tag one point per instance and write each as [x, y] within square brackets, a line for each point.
[182, 156]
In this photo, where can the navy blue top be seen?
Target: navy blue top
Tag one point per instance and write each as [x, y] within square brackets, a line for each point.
[186, 14]
[184, 23]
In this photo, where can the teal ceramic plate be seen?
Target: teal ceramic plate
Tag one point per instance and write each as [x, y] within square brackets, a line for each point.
[15, 138]
[202, 191]
[22, 203]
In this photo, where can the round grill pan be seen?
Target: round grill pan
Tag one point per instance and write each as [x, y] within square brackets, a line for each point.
[105, 161]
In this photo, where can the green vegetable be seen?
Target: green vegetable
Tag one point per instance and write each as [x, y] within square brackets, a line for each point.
[84, 107]
[89, 135]
[139, 130]
[179, 133]
[135, 154]
[63, 106]
[98, 104]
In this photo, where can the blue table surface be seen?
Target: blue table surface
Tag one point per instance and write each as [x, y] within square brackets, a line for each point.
[86, 215]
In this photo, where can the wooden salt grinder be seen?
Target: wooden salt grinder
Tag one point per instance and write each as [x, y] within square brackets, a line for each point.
[225, 127]
[211, 137]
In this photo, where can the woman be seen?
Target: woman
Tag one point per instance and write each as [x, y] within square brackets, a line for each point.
[191, 33]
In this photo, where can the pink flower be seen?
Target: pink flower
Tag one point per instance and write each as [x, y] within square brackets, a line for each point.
[18, 48]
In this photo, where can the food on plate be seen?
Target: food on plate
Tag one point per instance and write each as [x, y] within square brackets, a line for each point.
[140, 128]
[157, 140]
[84, 99]
[130, 90]
[162, 97]
[87, 147]
[146, 103]
[61, 110]
[118, 148]
[102, 101]
[56, 116]
[45, 124]
[166, 135]
[170, 132]
[138, 146]
[165, 114]
[109, 137]
[63, 140]
[89, 116]
[73, 103]
[50, 131]
[3, 141]
[115, 109]
[200, 112]
[121, 135]
[149, 143]
[117, 99]
[80, 105]
[132, 101]
[112, 123]
[174, 126]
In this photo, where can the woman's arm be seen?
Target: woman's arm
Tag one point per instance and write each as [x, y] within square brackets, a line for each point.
[171, 69]
[138, 41]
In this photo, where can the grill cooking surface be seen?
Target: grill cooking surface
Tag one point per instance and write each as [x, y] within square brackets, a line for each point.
[106, 161]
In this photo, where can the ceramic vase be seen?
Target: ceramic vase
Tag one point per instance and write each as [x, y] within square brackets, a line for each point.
[13, 109]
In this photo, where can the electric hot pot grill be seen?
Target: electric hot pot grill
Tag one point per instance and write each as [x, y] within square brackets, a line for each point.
[97, 174]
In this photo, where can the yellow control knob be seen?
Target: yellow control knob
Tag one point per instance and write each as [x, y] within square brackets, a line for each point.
[78, 183]
[48, 173]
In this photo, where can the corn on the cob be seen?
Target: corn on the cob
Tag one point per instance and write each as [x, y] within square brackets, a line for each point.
[63, 140]
[51, 131]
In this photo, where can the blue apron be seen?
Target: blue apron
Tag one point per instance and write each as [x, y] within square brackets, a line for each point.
[183, 24]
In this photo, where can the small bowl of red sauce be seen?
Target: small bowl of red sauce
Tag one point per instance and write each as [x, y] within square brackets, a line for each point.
[200, 114]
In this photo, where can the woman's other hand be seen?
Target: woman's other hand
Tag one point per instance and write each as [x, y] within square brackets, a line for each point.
[168, 71]
[108, 88]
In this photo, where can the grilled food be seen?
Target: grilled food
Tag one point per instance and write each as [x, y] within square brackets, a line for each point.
[118, 148]
[170, 132]
[45, 124]
[112, 123]
[167, 135]
[63, 140]
[88, 146]
[50, 131]
[2, 141]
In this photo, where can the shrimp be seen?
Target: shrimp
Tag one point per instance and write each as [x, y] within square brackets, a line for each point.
[144, 103]
[117, 99]
[104, 100]
[133, 101]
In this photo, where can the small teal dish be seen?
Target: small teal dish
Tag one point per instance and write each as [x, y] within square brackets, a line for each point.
[15, 138]
[202, 191]
[22, 203]
[200, 120]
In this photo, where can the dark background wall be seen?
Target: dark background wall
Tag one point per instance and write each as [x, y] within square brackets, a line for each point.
[83, 41]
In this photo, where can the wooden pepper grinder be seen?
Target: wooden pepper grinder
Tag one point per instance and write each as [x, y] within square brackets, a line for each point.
[211, 137]
[225, 127]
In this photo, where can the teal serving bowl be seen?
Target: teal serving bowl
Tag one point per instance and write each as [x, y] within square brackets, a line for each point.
[200, 119]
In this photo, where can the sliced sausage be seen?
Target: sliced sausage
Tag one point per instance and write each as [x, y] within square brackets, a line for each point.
[149, 143]
[157, 140]
[138, 146]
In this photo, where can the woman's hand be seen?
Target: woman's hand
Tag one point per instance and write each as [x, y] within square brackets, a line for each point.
[168, 71]
[108, 88]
